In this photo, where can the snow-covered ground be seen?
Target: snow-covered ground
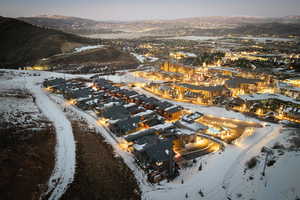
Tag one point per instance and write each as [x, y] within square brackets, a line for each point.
[64, 170]
[126, 78]
[196, 38]
[63, 173]
[127, 157]
[143, 58]
[85, 48]
[222, 175]
[203, 38]
[20, 112]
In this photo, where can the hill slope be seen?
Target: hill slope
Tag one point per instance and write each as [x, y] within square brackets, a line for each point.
[24, 44]
[74, 25]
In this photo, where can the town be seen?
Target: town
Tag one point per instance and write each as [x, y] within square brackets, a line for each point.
[150, 100]
[152, 112]
[164, 136]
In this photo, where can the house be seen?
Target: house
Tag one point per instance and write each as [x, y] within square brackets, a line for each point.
[270, 102]
[146, 114]
[153, 121]
[240, 85]
[126, 94]
[207, 92]
[161, 106]
[192, 126]
[78, 93]
[125, 126]
[133, 108]
[156, 154]
[173, 112]
[114, 112]
[134, 136]
[153, 153]
[192, 117]
[178, 68]
[59, 89]
[293, 113]
[101, 83]
[54, 82]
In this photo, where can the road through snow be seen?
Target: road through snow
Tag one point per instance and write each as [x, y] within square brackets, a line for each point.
[63, 173]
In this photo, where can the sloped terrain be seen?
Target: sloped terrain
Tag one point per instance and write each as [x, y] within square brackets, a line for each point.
[99, 174]
[23, 44]
[27, 143]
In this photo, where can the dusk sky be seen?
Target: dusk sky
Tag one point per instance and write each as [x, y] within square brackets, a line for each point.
[149, 9]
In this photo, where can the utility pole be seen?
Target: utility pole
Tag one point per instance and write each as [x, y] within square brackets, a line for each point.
[171, 161]
[65, 85]
[268, 152]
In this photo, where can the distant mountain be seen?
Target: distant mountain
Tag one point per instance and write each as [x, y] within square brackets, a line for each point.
[59, 22]
[24, 44]
[70, 24]
[270, 29]
[173, 26]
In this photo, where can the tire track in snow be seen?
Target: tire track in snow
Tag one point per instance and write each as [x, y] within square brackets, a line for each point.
[252, 150]
[63, 172]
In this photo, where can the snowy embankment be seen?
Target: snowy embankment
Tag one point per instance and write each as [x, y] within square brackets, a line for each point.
[281, 180]
[85, 48]
[145, 186]
[143, 58]
[63, 172]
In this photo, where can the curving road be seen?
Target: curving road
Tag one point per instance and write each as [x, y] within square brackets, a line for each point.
[63, 173]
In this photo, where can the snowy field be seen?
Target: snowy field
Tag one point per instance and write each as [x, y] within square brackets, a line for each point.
[194, 38]
[20, 112]
[222, 175]
[203, 38]
[143, 59]
[63, 173]
[85, 48]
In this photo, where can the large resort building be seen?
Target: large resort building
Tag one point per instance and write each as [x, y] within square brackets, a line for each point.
[222, 85]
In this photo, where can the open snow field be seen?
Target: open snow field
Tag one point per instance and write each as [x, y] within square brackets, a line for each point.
[64, 169]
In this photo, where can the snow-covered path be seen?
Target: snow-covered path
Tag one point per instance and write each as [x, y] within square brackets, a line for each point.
[253, 149]
[144, 185]
[63, 173]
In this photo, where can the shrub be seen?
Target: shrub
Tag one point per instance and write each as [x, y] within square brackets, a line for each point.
[251, 163]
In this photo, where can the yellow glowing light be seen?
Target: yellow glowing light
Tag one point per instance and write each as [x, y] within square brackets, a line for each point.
[125, 146]
[48, 88]
[259, 112]
[70, 102]
[102, 121]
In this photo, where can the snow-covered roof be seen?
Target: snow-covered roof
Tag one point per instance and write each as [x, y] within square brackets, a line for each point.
[147, 112]
[287, 86]
[129, 105]
[191, 117]
[194, 126]
[111, 104]
[183, 131]
[266, 96]
[139, 147]
[80, 49]
[162, 127]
